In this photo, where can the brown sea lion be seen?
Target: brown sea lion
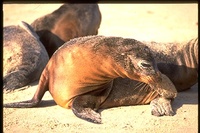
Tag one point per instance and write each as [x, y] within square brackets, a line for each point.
[81, 73]
[67, 22]
[24, 56]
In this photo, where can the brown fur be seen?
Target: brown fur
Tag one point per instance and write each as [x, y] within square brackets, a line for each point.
[67, 22]
[85, 69]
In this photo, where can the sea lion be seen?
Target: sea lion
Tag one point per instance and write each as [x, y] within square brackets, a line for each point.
[24, 56]
[80, 74]
[67, 22]
[178, 61]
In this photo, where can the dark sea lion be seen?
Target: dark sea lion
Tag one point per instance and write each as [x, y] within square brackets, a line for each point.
[67, 22]
[24, 57]
[179, 62]
[81, 73]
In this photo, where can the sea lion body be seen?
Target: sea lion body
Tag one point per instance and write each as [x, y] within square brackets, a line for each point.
[67, 22]
[24, 57]
[178, 61]
[81, 73]
[90, 63]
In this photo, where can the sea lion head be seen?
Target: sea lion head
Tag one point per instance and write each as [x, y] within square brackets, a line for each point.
[138, 61]
[144, 68]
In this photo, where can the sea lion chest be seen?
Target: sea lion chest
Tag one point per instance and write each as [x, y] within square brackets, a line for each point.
[78, 70]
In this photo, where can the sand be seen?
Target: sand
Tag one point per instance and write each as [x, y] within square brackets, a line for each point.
[144, 22]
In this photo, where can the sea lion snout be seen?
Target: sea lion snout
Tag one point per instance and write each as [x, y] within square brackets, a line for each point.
[157, 77]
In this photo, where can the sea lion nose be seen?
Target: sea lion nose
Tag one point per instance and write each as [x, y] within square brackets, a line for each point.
[158, 76]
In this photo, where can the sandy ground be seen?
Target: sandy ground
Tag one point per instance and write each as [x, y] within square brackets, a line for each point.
[161, 23]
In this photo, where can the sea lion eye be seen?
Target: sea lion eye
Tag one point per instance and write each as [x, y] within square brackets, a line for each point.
[145, 65]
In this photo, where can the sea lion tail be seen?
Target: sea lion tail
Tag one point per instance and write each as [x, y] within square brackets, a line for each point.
[42, 88]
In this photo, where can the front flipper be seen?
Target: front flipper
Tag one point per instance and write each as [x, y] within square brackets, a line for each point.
[161, 106]
[167, 91]
[84, 107]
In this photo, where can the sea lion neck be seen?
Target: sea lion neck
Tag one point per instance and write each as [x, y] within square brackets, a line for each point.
[109, 57]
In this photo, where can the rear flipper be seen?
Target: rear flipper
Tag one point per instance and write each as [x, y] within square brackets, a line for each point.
[84, 107]
[22, 104]
[161, 106]
[14, 80]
